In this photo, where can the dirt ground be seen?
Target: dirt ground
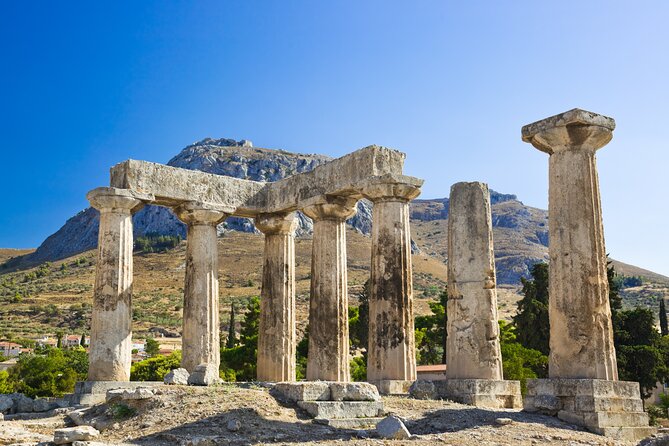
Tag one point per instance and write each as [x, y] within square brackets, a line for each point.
[181, 415]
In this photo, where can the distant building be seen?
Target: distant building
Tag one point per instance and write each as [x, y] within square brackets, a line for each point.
[75, 341]
[431, 372]
[10, 349]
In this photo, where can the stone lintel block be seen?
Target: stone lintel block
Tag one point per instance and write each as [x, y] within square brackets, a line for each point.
[342, 409]
[172, 186]
[304, 391]
[350, 423]
[393, 386]
[572, 129]
[341, 176]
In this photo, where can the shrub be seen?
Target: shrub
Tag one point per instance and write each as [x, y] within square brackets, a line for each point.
[155, 369]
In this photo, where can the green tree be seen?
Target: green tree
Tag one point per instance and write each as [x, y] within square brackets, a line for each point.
[664, 327]
[302, 354]
[358, 368]
[6, 386]
[155, 369]
[59, 338]
[431, 333]
[359, 320]
[641, 363]
[152, 347]
[232, 337]
[242, 358]
[615, 299]
[49, 375]
[531, 319]
[82, 341]
[519, 362]
[77, 359]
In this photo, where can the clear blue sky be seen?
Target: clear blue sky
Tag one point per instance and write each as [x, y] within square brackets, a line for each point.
[84, 85]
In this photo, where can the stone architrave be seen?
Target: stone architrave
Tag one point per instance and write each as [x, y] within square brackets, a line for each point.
[473, 349]
[200, 338]
[328, 306]
[391, 347]
[581, 332]
[111, 325]
[276, 335]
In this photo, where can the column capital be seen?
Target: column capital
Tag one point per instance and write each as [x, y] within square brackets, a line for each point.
[198, 213]
[331, 208]
[115, 199]
[392, 188]
[572, 130]
[279, 223]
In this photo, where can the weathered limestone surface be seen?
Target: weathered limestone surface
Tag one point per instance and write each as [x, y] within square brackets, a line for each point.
[111, 330]
[391, 349]
[340, 177]
[581, 338]
[473, 349]
[172, 186]
[200, 314]
[490, 393]
[276, 335]
[328, 306]
[607, 407]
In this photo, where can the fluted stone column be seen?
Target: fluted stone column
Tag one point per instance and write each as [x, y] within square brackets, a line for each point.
[200, 338]
[111, 325]
[276, 335]
[473, 349]
[391, 349]
[328, 306]
[581, 333]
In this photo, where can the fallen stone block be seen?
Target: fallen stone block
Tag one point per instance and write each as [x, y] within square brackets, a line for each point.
[304, 391]
[204, 375]
[177, 377]
[358, 391]
[392, 428]
[503, 421]
[71, 434]
[140, 393]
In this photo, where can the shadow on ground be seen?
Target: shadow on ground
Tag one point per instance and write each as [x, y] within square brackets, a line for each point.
[254, 429]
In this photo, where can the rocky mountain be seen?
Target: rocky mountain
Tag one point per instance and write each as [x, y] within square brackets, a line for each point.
[521, 233]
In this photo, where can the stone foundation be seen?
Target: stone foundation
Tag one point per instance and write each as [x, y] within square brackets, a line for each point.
[393, 386]
[488, 393]
[89, 393]
[611, 408]
[337, 404]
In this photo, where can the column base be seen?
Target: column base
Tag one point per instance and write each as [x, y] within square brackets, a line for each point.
[610, 408]
[90, 393]
[392, 386]
[488, 393]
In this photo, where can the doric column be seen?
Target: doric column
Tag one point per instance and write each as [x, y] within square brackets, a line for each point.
[473, 349]
[581, 333]
[328, 306]
[391, 348]
[200, 338]
[111, 325]
[276, 335]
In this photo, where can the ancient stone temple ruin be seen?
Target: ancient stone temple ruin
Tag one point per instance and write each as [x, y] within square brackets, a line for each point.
[583, 386]
[328, 194]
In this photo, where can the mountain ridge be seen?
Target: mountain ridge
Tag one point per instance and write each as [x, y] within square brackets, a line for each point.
[520, 232]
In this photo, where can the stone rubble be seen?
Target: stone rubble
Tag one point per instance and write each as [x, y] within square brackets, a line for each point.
[71, 434]
[177, 377]
[392, 428]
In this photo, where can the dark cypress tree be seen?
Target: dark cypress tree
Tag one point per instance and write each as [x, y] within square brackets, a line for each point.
[82, 341]
[531, 319]
[615, 300]
[232, 337]
[664, 327]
